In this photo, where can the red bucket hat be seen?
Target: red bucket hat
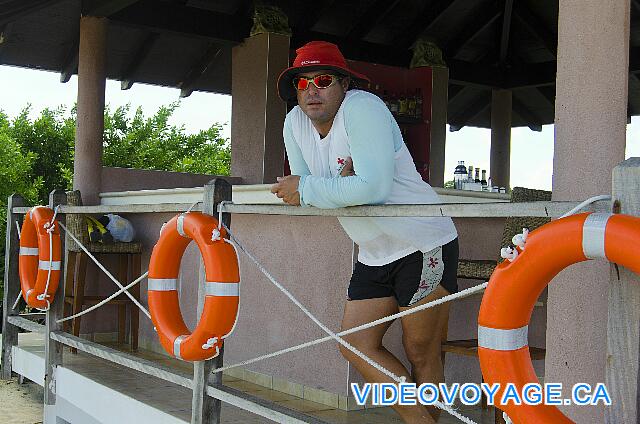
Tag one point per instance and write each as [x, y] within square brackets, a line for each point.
[314, 56]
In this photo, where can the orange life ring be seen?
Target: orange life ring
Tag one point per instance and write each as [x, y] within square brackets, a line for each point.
[36, 265]
[222, 287]
[514, 287]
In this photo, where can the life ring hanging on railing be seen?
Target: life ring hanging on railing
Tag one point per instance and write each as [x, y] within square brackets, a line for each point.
[40, 257]
[515, 285]
[221, 288]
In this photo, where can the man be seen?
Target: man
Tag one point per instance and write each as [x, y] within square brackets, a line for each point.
[344, 149]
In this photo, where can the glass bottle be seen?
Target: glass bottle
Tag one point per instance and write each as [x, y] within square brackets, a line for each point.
[459, 175]
[483, 181]
[477, 179]
[470, 175]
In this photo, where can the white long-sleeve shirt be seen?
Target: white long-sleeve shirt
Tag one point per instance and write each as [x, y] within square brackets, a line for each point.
[365, 130]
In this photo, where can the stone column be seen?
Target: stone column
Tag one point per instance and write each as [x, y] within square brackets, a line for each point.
[87, 165]
[591, 114]
[500, 157]
[439, 101]
[257, 113]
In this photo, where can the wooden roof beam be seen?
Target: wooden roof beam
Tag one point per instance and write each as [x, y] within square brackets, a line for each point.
[126, 80]
[506, 30]
[471, 31]
[70, 64]
[456, 123]
[104, 8]
[374, 14]
[421, 24]
[549, 93]
[187, 83]
[27, 8]
[164, 17]
[535, 26]
[534, 122]
[357, 49]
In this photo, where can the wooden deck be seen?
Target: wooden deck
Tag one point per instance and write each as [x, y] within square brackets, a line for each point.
[93, 390]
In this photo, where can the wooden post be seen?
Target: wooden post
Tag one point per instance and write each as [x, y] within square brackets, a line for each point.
[623, 324]
[205, 409]
[11, 285]
[53, 349]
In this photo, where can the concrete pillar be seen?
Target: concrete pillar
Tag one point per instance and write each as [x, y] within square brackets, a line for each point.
[500, 157]
[591, 113]
[257, 113]
[87, 164]
[439, 100]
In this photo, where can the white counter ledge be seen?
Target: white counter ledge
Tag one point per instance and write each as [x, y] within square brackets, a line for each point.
[260, 194]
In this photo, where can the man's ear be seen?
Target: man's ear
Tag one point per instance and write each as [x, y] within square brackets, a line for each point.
[345, 83]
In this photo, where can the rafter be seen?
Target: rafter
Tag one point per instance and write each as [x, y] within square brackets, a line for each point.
[70, 64]
[199, 68]
[422, 23]
[535, 25]
[104, 7]
[164, 17]
[27, 8]
[487, 18]
[506, 30]
[126, 79]
[549, 93]
[534, 122]
[636, 5]
[357, 49]
[476, 107]
[311, 15]
[454, 91]
[374, 14]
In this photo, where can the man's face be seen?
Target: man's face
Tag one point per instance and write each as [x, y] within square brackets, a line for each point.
[322, 104]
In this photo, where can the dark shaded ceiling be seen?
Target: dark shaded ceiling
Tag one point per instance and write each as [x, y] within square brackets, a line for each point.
[187, 43]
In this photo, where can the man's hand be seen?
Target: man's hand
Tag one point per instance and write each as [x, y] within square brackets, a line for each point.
[287, 189]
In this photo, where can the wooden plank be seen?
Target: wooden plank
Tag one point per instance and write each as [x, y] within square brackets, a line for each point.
[233, 397]
[261, 407]
[205, 409]
[26, 324]
[11, 285]
[53, 350]
[623, 324]
[466, 210]
[137, 208]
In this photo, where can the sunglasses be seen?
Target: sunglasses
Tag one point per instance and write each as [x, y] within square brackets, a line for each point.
[320, 81]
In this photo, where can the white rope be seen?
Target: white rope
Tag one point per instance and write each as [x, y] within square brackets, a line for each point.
[587, 202]
[506, 418]
[18, 228]
[84, 249]
[335, 337]
[192, 206]
[15, 304]
[461, 294]
[116, 294]
[312, 317]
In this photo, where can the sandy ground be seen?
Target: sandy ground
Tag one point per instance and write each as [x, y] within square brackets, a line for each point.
[20, 403]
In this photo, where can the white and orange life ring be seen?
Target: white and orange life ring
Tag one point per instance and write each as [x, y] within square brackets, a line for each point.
[40, 257]
[221, 288]
[515, 285]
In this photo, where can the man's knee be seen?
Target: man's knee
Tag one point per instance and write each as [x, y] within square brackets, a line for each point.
[420, 352]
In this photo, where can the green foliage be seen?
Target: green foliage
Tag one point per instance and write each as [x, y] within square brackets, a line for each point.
[152, 143]
[450, 184]
[36, 156]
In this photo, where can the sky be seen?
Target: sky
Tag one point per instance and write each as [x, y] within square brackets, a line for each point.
[531, 152]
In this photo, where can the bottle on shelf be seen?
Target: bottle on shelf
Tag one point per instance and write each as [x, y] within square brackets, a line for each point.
[402, 104]
[411, 105]
[418, 103]
[477, 178]
[470, 174]
[459, 175]
[483, 180]
[393, 104]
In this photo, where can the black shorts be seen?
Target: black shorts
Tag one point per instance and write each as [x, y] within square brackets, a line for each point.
[409, 279]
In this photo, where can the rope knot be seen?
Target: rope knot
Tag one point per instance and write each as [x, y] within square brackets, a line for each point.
[521, 239]
[49, 227]
[509, 253]
[215, 235]
[211, 343]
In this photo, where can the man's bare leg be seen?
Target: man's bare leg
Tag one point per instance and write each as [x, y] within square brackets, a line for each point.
[369, 342]
[421, 336]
